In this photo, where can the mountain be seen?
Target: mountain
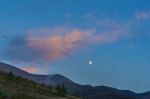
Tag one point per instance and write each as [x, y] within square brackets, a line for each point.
[85, 91]
[53, 79]
[16, 87]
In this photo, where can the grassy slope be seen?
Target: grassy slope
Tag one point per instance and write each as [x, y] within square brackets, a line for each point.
[19, 88]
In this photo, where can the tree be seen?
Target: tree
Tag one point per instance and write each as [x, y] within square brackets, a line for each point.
[61, 90]
[49, 87]
[10, 75]
[43, 84]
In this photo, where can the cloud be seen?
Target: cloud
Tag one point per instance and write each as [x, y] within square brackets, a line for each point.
[100, 20]
[19, 51]
[44, 45]
[142, 15]
[48, 44]
[67, 15]
[31, 69]
[57, 46]
[108, 30]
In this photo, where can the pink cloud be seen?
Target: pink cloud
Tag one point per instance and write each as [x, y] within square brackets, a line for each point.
[31, 69]
[47, 44]
[57, 45]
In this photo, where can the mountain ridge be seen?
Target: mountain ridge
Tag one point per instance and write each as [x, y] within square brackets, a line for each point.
[86, 91]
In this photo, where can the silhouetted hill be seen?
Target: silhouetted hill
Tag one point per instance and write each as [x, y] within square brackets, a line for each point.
[85, 91]
[15, 87]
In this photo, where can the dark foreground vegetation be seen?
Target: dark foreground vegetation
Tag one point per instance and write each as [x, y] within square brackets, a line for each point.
[14, 87]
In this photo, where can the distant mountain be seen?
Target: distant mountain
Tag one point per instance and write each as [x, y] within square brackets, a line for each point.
[85, 91]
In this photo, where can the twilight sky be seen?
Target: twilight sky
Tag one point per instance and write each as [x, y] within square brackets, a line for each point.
[62, 36]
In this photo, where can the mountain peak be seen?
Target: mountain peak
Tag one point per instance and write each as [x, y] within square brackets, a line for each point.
[58, 77]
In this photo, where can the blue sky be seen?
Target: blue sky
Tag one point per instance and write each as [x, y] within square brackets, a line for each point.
[61, 36]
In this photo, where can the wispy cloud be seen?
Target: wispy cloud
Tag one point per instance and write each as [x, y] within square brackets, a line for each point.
[69, 40]
[19, 51]
[47, 44]
[51, 45]
[142, 15]
[67, 15]
[101, 20]
[56, 46]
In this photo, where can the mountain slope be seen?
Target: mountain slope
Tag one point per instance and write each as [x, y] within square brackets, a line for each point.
[86, 91]
[53, 79]
[15, 87]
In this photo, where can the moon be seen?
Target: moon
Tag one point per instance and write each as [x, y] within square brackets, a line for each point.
[90, 62]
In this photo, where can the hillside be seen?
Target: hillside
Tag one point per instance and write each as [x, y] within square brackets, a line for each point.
[20, 86]
[15, 87]
[52, 80]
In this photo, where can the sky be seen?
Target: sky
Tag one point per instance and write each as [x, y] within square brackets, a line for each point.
[63, 36]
